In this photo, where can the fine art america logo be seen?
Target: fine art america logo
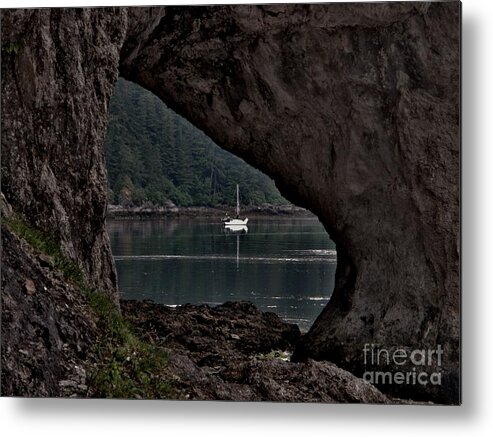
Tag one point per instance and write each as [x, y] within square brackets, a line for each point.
[418, 366]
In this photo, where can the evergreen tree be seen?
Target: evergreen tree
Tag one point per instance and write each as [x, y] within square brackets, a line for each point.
[153, 155]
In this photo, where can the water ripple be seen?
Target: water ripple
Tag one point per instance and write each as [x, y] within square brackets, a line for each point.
[327, 258]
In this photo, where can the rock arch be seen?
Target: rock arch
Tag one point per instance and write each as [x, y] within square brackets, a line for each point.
[353, 109]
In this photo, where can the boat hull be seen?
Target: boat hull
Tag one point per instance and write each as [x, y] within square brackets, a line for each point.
[236, 222]
[236, 228]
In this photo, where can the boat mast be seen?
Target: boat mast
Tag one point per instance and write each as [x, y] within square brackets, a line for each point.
[237, 201]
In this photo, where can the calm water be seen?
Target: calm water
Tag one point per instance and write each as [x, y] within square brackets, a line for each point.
[284, 265]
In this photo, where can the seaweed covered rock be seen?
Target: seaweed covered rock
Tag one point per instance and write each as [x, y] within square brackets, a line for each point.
[236, 352]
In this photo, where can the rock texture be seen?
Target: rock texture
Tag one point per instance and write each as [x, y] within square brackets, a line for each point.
[47, 328]
[236, 352]
[209, 330]
[353, 109]
[59, 67]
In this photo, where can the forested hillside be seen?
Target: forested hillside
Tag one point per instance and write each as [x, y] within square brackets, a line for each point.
[154, 155]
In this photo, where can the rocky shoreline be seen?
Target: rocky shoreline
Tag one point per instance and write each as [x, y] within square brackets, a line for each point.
[57, 344]
[237, 352]
[171, 210]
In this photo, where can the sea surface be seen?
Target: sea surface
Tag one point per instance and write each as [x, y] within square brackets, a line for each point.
[283, 265]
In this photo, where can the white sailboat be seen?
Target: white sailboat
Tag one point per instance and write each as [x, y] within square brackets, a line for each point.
[237, 221]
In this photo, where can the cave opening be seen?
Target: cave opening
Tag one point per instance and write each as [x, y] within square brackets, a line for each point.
[168, 186]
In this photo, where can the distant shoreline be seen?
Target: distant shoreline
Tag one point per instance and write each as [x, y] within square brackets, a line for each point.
[125, 212]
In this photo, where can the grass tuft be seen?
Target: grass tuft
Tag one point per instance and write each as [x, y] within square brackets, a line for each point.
[11, 48]
[47, 245]
[124, 366]
[127, 367]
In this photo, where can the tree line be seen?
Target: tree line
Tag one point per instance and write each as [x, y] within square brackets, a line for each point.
[155, 156]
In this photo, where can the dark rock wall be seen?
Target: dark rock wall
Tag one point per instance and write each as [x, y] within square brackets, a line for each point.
[353, 109]
[59, 67]
[47, 328]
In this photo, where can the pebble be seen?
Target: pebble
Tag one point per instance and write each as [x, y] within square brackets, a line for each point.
[67, 383]
[30, 287]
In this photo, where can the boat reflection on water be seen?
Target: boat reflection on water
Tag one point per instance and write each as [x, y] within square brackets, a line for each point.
[282, 264]
[236, 228]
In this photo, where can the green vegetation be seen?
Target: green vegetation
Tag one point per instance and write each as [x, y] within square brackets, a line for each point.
[124, 365]
[11, 48]
[274, 355]
[155, 156]
[47, 245]
[127, 367]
